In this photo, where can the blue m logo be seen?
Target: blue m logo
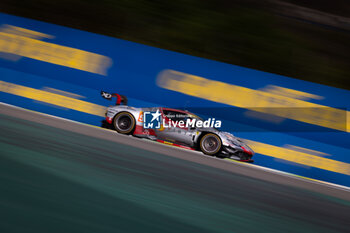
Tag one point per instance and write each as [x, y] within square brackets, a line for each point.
[151, 120]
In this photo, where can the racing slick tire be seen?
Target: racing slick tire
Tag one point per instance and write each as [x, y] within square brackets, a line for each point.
[210, 144]
[124, 123]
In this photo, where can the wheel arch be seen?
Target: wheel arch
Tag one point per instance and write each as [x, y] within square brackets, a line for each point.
[130, 113]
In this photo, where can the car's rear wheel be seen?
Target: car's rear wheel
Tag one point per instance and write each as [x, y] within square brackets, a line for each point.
[210, 144]
[124, 123]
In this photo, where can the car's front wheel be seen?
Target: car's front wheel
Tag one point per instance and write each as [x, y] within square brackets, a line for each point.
[210, 144]
[124, 123]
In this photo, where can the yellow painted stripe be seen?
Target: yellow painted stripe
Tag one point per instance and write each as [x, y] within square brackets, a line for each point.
[256, 100]
[52, 98]
[24, 32]
[291, 93]
[300, 157]
[168, 143]
[53, 53]
[287, 154]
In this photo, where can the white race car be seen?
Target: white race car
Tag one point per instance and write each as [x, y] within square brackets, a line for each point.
[211, 141]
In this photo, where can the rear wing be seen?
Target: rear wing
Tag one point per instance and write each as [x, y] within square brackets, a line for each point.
[121, 99]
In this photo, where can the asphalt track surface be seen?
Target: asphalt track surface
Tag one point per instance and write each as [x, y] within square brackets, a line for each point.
[62, 176]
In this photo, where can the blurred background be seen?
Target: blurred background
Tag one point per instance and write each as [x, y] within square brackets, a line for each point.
[304, 39]
[276, 73]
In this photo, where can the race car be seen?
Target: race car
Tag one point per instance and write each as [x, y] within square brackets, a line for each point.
[169, 125]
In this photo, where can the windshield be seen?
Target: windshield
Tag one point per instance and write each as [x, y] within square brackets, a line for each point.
[193, 116]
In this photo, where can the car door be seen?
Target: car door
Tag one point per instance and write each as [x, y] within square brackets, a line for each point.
[177, 134]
